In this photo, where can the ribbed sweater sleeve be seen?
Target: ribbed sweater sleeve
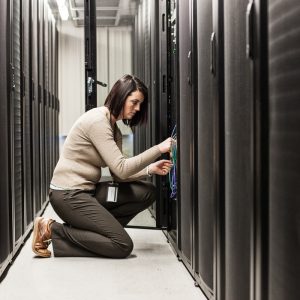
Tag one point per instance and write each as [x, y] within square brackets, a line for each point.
[102, 137]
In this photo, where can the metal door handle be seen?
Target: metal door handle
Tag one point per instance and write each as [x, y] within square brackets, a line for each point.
[249, 29]
[213, 54]
[189, 79]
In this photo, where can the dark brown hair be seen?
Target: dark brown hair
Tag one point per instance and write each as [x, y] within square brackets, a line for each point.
[116, 98]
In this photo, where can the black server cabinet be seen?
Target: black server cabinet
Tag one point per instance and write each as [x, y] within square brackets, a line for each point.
[161, 107]
[90, 54]
[41, 106]
[56, 99]
[186, 130]
[140, 132]
[154, 94]
[27, 113]
[217, 75]
[46, 95]
[284, 139]
[5, 204]
[15, 107]
[240, 151]
[206, 172]
[172, 68]
[54, 137]
[147, 63]
[35, 109]
[50, 93]
[246, 157]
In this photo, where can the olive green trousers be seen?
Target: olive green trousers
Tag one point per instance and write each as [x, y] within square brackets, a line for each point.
[94, 227]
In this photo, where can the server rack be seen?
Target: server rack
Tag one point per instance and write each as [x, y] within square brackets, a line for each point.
[172, 120]
[15, 108]
[240, 152]
[284, 148]
[217, 72]
[46, 95]
[206, 172]
[23, 193]
[5, 203]
[27, 114]
[41, 100]
[50, 94]
[35, 109]
[186, 130]
[139, 41]
[150, 42]
[162, 108]
[90, 54]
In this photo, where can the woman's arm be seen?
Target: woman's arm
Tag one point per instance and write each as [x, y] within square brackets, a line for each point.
[101, 136]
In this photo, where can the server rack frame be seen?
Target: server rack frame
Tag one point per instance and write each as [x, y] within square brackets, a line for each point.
[35, 109]
[41, 98]
[204, 263]
[185, 155]
[15, 115]
[5, 204]
[90, 41]
[26, 112]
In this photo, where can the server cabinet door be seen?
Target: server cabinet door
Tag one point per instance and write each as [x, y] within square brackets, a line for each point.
[5, 215]
[284, 135]
[240, 151]
[172, 197]
[186, 129]
[90, 54]
[50, 93]
[217, 75]
[161, 112]
[27, 114]
[16, 127]
[35, 109]
[46, 96]
[41, 100]
[204, 255]
[154, 89]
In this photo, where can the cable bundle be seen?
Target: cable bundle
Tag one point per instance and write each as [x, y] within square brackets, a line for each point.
[173, 157]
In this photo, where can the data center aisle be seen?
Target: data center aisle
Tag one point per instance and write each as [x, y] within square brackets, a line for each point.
[151, 272]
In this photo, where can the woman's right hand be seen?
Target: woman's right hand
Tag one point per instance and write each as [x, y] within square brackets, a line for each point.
[165, 146]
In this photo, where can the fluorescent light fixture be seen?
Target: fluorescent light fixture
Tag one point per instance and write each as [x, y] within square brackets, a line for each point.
[63, 10]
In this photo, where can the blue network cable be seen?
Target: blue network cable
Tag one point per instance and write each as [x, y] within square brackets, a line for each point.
[172, 174]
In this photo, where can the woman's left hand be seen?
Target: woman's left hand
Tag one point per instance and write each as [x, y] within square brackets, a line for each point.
[161, 167]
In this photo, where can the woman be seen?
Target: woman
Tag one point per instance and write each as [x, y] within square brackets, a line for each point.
[94, 223]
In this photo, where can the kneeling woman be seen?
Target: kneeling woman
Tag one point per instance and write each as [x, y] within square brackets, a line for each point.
[94, 226]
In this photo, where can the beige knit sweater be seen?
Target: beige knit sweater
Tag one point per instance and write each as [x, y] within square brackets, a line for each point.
[91, 144]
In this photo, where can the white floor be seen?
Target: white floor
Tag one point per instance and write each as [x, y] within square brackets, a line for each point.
[151, 272]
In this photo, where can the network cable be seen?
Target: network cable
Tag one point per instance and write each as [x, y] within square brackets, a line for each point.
[173, 157]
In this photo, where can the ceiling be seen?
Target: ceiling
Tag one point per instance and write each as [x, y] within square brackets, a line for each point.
[108, 12]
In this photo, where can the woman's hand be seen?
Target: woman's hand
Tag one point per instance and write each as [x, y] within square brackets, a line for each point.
[165, 146]
[161, 167]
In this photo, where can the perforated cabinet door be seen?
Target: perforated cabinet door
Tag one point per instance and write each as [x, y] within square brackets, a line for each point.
[27, 115]
[16, 123]
[206, 201]
[41, 100]
[35, 107]
[240, 151]
[284, 135]
[5, 220]
[185, 129]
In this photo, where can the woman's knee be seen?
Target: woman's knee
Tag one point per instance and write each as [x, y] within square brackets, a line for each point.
[124, 248]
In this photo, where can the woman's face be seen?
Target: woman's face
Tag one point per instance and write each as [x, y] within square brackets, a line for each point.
[132, 105]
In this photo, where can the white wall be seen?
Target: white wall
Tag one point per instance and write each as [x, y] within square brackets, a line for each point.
[70, 74]
[114, 59]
